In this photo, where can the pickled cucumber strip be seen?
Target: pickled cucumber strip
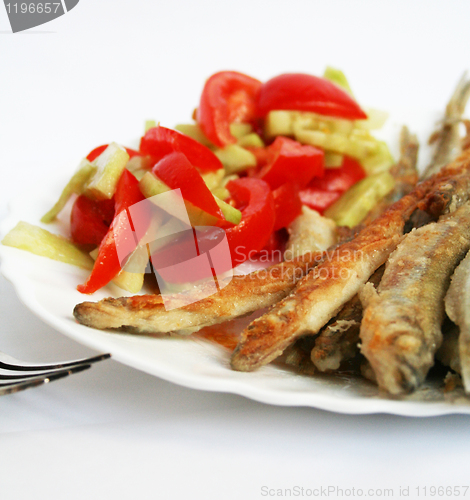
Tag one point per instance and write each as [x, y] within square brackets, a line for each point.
[279, 122]
[251, 141]
[230, 213]
[235, 158]
[338, 77]
[338, 143]
[139, 163]
[74, 186]
[110, 164]
[333, 160]
[193, 130]
[213, 179]
[356, 203]
[376, 119]
[150, 124]
[131, 282]
[379, 161]
[239, 130]
[39, 241]
[150, 185]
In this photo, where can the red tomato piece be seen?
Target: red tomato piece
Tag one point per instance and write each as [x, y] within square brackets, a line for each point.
[107, 264]
[258, 216]
[97, 151]
[160, 141]
[177, 172]
[298, 91]
[227, 97]
[341, 179]
[90, 220]
[292, 162]
[287, 205]
[318, 199]
[324, 191]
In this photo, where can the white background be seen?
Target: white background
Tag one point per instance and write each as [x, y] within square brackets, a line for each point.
[94, 76]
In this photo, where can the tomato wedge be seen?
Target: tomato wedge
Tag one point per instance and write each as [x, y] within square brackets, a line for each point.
[90, 220]
[97, 151]
[324, 191]
[160, 141]
[176, 171]
[228, 96]
[302, 92]
[107, 264]
[255, 199]
[287, 205]
[290, 161]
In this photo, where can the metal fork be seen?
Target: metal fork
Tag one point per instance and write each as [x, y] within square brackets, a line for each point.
[16, 375]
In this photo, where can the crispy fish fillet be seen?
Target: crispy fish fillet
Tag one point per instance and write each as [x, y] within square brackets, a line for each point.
[338, 340]
[243, 295]
[457, 305]
[321, 294]
[448, 139]
[401, 327]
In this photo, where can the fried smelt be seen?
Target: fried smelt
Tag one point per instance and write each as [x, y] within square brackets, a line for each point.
[310, 232]
[243, 295]
[338, 340]
[448, 353]
[321, 294]
[401, 326]
[457, 304]
[449, 142]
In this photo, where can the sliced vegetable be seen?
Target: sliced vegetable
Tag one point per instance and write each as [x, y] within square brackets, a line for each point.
[160, 141]
[90, 220]
[356, 203]
[100, 149]
[227, 97]
[110, 165]
[287, 205]
[151, 185]
[290, 161]
[177, 172]
[150, 124]
[256, 202]
[298, 91]
[39, 241]
[131, 282]
[75, 186]
[357, 147]
[283, 122]
[337, 76]
[240, 130]
[324, 191]
[194, 131]
[107, 264]
[251, 141]
[234, 158]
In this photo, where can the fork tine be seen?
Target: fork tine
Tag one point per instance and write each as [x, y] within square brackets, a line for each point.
[9, 387]
[17, 375]
[16, 365]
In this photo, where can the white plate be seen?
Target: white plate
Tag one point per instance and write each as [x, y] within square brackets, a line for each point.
[48, 289]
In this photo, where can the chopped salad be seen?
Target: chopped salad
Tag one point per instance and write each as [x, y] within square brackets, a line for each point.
[254, 154]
